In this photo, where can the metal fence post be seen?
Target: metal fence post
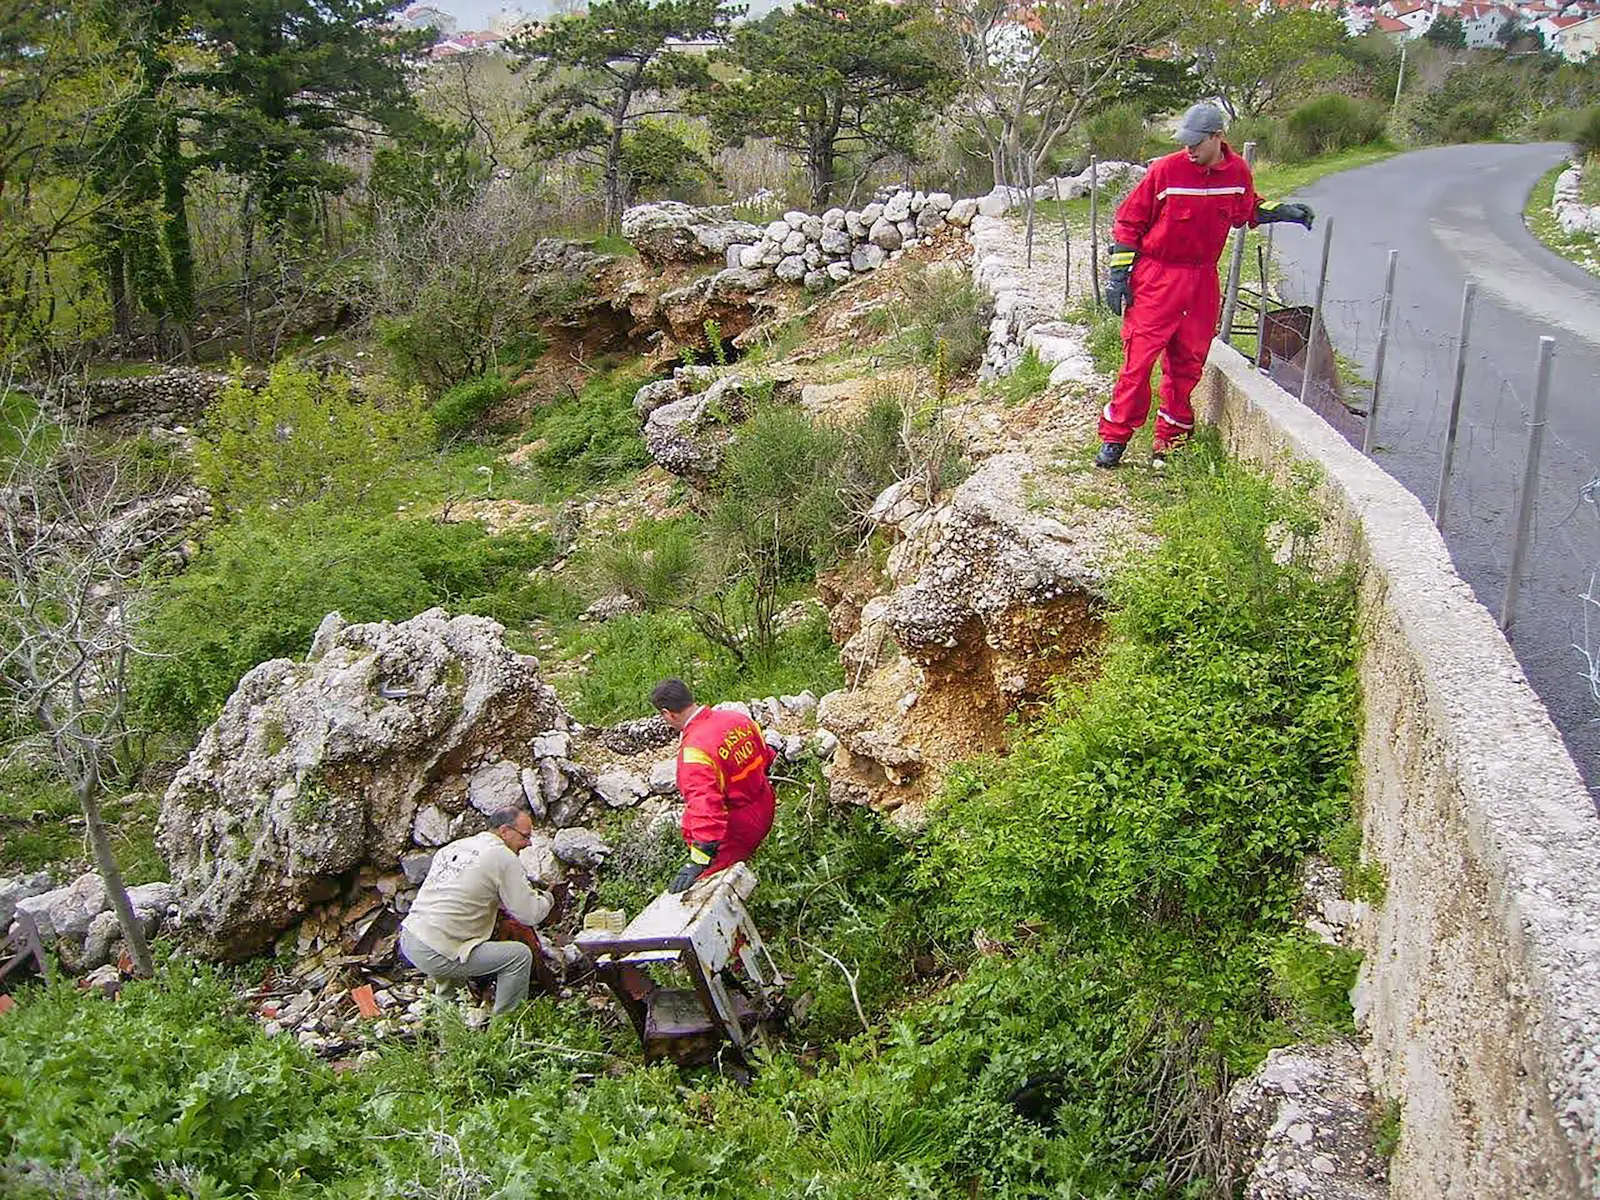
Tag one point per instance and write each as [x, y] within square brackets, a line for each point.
[1316, 310]
[1530, 480]
[1447, 463]
[1094, 226]
[1265, 257]
[1369, 435]
[1230, 299]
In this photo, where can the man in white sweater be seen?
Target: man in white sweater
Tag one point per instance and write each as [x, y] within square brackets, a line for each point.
[446, 933]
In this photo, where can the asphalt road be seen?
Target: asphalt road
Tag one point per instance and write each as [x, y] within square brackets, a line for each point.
[1455, 213]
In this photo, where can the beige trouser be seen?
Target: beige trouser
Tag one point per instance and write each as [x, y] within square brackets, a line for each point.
[509, 962]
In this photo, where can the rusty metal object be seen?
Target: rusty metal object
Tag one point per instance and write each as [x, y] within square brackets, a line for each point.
[1283, 357]
[735, 992]
[24, 944]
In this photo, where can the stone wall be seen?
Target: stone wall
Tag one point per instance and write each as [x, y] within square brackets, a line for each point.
[1480, 988]
[1568, 208]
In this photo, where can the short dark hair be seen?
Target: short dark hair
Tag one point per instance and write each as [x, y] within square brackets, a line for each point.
[505, 818]
[671, 694]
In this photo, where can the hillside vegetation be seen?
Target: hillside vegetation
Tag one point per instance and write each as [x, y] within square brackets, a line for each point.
[1061, 972]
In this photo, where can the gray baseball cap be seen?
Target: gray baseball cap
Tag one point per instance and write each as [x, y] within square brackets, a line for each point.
[1199, 123]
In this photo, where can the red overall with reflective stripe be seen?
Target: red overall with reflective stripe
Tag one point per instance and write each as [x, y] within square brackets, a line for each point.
[722, 774]
[1178, 219]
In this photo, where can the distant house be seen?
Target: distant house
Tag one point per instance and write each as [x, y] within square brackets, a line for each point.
[1393, 29]
[426, 16]
[1575, 39]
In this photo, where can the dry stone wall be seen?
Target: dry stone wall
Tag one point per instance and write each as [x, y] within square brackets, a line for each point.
[1480, 988]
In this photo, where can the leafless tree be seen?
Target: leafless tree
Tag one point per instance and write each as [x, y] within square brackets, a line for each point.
[1033, 71]
[74, 529]
[452, 274]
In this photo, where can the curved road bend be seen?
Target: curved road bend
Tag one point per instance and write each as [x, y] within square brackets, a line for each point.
[1455, 213]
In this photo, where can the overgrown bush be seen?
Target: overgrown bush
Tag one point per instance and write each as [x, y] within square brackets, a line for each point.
[1332, 123]
[450, 300]
[591, 436]
[941, 314]
[303, 438]
[458, 411]
[1211, 753]
[263, 584]
[1583, 130]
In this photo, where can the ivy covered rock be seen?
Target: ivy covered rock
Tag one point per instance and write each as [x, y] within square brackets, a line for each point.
[317, 769]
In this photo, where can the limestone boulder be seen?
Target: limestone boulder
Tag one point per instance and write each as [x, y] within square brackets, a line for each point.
[18, 888]
[316, 769]
[992, 599]
[687, 437]
[735, 299]
[666, 231]
[67, 911]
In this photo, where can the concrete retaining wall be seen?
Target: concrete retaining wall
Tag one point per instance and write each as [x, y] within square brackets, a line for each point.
[1480, 989]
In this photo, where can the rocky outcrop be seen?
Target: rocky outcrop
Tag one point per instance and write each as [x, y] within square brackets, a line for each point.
[687, 437]
[992, 600]
[316, 769]
[1301, 1127]
[669, 232]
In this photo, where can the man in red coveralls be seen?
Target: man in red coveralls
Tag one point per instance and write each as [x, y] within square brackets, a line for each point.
[722, 775]
[1169, 234]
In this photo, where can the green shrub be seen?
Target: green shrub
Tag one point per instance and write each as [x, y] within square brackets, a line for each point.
[1268, 133]
[302, 438]
[1117, 133]
[262, 585]
[1332, 123]
[1213, 751]
[1583, 129]
[941, 312]
[458, 411]
[591, 437]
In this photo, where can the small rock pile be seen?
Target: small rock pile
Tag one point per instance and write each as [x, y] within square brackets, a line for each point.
[76, 919]
[1571, 213]
[1301, 1127]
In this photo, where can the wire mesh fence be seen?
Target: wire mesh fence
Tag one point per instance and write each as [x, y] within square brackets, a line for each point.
[1538, 571]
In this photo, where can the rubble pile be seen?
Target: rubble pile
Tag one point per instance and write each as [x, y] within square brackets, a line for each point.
[76, 920]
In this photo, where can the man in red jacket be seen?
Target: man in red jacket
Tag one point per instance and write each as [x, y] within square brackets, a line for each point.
[723, 760]
[1169, 234]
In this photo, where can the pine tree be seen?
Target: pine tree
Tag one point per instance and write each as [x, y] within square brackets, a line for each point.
[830, 80]
[606, 73]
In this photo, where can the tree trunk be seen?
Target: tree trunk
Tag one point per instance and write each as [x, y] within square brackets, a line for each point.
[116, 269]
[247, 220]
[175, 233]
[612, 180]
[100, 842]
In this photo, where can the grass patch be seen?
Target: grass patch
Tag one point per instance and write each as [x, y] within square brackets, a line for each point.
[1580, 248]
[1029, 378]
[624, 657]
[590, 437]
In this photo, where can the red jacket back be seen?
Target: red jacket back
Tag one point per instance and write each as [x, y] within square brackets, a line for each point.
[722, 765]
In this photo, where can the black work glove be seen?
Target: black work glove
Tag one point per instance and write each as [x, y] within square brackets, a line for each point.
[1119, 283]
[700, 856]
[1299, 214]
